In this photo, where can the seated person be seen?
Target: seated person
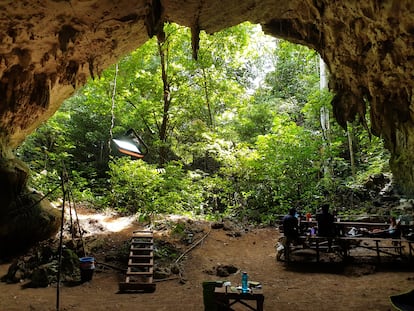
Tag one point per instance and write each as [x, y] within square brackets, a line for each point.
[325, 221]
[393, 230]
[326, 227]
[291, 225]
[290, 230]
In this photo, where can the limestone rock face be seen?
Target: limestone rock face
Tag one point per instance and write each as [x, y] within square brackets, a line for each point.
[48, 48]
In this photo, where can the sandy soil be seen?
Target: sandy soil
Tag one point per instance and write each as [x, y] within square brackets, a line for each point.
[297, 288]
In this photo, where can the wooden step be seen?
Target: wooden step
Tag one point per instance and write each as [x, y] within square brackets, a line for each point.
[142, 231]
[138, 279]
[139, 241]
[145, 248]
[143, 237]
[133, 285]
[136, 286]
[133, 255]
[140, 251]
[140, 260]
[149, 263]
[148, 269]
[143, 265]
[140, 273]
[133, 248]
[141, 245]
[143, 234]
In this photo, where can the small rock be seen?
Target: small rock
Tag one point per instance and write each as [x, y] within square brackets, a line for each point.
[175, 269]
[217, 225]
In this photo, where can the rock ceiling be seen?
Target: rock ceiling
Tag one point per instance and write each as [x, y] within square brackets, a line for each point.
[50, 48]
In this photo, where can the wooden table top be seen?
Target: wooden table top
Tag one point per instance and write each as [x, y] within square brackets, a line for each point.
[232, 290]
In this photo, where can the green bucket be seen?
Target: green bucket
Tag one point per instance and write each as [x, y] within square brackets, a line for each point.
[208, 295]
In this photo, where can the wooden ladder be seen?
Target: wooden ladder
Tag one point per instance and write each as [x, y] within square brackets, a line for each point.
[140, 272]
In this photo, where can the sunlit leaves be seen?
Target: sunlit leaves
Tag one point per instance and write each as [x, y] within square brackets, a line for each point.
[243, 129]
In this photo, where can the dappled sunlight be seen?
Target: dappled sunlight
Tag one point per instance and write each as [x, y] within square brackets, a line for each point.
[101, 223]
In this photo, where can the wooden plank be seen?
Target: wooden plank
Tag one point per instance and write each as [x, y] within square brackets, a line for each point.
[139, 273]
[142, 234]
[148, 249]
[133, 255]
[139, 241]
[146, 254]
[149, 236]
[131, 271]
[140, 264]
[131, 262]
[132, 286]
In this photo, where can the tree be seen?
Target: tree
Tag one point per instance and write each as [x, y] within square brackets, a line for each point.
[295, 77]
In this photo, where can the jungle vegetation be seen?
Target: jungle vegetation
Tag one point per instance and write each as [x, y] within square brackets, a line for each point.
[240, 132]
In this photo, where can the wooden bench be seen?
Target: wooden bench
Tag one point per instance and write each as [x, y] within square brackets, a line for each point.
[381, 246]
[344, 245]
[316, 243]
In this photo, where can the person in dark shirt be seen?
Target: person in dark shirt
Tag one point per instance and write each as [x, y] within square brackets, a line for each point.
[326, 227]
[325, 221]
[290, 230]
[290, 225]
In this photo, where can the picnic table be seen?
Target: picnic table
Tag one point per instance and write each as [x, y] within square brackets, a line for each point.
[345, 245]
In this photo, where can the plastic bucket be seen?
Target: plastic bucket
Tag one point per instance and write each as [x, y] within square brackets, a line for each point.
[87, 265]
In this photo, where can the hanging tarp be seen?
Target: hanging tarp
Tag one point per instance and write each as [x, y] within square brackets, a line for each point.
[131, 144]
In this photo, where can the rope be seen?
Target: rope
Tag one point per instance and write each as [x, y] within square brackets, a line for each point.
[192, 247]
[113, 108]
[78, 224]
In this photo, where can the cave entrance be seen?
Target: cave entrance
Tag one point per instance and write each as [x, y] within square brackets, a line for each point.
[248, 96]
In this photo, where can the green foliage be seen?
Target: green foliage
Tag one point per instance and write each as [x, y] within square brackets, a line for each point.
[371, 159]
[283, 170]
[138, 187]
[243, 131]
[295, 76]
[255, 119]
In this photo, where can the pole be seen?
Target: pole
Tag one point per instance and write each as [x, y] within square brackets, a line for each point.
[63, 178]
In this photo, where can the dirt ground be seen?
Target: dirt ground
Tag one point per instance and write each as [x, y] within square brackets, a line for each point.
[285, 288]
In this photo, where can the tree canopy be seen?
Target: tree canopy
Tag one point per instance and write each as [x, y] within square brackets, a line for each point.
[235, 132]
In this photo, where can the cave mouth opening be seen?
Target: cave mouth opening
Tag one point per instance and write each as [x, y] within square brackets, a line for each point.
[101, 108]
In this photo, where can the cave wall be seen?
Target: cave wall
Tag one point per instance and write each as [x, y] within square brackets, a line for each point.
[49, 48]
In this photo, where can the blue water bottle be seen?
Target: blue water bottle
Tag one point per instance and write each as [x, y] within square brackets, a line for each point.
[245, 283]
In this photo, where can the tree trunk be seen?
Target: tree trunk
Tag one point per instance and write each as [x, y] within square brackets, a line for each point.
[351, 149]
[163, 150]
[325, 121]
[210, 113]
